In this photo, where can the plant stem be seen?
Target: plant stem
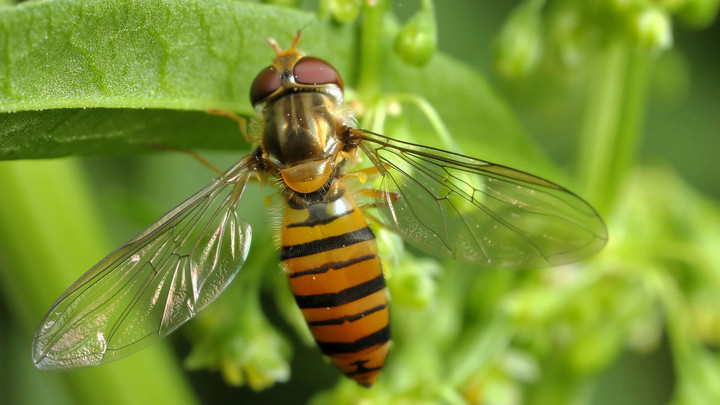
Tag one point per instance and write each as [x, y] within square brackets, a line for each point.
[633, 113]
[371, 42]
[611, 126]
[491, 340]
[448, 142]
[696, 370]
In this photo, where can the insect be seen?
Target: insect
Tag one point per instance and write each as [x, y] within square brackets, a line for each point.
[447, 204]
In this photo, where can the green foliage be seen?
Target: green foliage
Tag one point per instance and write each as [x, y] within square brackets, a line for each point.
[119, 57]
[241, 344]
[114, 77]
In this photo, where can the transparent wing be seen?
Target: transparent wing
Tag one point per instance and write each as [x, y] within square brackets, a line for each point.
[153, 283]
[464, 208]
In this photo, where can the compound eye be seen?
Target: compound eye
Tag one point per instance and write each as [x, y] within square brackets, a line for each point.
[310, 70]
[265, 84]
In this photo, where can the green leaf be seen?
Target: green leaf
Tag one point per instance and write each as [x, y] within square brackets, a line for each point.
[182, 55]
[117, 55]
[51, 133]
[114, 77]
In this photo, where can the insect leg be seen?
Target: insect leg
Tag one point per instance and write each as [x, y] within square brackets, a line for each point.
[194, 154]
[363, 174]
[242, 122]
[377, 195]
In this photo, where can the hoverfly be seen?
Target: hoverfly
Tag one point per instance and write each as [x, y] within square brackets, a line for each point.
[448, 204]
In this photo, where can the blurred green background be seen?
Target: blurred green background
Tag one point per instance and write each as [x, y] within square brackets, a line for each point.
[630, 121]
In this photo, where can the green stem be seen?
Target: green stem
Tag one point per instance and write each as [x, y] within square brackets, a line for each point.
[51, 234]
[696, 371]
[486, 343]
[432, 115]
[371, 41]
[428, 5]
[376, 116]
[633, 114]
[611, 126]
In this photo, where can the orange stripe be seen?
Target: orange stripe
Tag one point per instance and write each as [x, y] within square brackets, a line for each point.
[355, 307]
[336, 280]
[299, 264]
[352, 331]
[344, 224]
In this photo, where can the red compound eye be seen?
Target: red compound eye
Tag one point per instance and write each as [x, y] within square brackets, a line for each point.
[309, 70]
[265, 83]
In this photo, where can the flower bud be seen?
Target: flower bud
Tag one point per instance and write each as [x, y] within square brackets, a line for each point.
[519, 45]
[345, 11]
[565, 32]
[592, 352]
[533, 306]
[241, 344]
[413, 281]
[699, 13]
[417, 40]
[654, 30]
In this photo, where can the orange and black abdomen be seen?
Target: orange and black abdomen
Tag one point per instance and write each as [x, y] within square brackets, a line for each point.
[331, 259]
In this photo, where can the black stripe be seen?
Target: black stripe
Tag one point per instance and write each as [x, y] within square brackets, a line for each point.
[332, 265]
[376, 338]
[360, 368]
[348, 318]
[326, 244]
[325, 195]
[342, 297]
[316, 220]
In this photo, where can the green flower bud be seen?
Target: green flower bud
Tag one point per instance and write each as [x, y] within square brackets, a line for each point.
[417, 40]
[241, 344]
[533, 306]
[266, 363]
[493, 386]
[390, 246]
[519, 45]
[705, 316]
[412, 283]
[520, 365]
[345, 11]
[565, 33]
[654, 30]
[699, 13]
[594, 350]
